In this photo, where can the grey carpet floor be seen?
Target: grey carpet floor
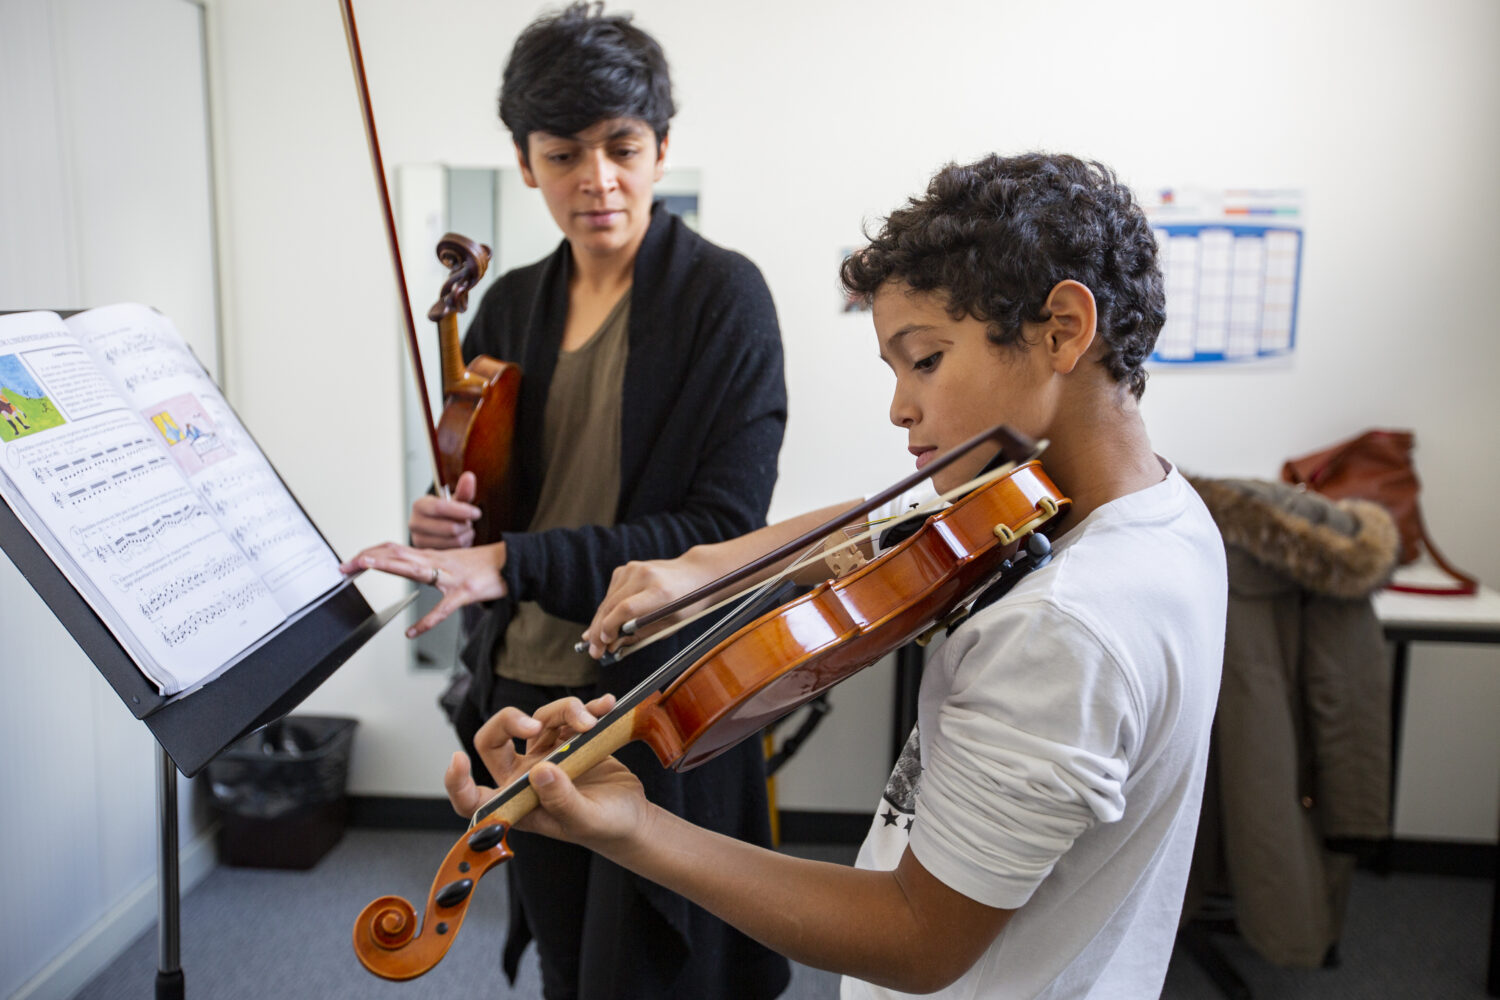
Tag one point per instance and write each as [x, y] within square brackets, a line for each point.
[255, 933]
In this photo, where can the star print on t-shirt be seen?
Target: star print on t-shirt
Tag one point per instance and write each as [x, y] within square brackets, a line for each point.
[899, 804]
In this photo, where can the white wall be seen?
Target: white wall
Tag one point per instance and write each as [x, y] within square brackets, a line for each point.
[808, 120]
[104, 196]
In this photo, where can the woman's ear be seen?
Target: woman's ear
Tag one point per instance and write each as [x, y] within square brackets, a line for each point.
[1073, 319]
[526, 175]
[661, 159]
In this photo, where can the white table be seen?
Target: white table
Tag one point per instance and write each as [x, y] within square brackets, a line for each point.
[1409, 618]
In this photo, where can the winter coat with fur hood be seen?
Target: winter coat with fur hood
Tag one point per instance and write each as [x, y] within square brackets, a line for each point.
[1300, 770]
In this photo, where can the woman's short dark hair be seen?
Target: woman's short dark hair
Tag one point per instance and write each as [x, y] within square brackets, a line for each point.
[995, 237]
[580, 66]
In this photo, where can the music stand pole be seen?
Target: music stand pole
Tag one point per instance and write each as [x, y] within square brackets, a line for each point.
[169, 981]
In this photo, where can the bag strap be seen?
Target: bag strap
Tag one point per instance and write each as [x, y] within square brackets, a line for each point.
[1463, 583]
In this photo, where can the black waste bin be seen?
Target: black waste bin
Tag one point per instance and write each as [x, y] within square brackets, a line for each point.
[280, 792]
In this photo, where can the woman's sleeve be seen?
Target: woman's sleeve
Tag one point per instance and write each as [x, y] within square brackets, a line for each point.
[733, 406]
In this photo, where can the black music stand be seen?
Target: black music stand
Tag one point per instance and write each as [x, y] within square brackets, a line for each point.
[192, 728]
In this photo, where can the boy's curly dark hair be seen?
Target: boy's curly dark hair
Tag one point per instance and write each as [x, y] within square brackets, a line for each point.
[996, 236]
[579, 66]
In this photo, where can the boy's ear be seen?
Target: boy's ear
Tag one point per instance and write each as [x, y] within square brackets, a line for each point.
[526, 175]
[1069, 332]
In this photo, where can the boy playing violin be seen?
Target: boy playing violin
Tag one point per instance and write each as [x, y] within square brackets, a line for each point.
[1036, 836]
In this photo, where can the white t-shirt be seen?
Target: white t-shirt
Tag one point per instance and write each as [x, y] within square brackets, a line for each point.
[1058, 761]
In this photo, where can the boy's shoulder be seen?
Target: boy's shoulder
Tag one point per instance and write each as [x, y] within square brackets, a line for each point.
[1135, 569]
[1120, 625]
[1166, 521]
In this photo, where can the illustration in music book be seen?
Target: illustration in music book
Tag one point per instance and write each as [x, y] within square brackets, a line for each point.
[123, 459]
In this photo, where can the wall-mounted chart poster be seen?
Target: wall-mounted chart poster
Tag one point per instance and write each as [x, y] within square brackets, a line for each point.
[1232, 261]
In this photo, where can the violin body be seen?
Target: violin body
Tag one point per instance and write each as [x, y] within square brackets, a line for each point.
[760, 673]
[476, 434]
[477, 429]
[789, 656]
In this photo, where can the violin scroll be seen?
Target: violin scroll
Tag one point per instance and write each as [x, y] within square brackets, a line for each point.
[466, 261]
[387, 937]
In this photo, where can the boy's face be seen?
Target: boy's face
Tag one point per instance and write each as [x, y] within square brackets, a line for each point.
[598, 183]
[952, 382]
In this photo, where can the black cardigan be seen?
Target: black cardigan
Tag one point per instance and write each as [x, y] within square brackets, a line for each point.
[704, 411]
[703, 414]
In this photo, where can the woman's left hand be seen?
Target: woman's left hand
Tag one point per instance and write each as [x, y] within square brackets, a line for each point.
[464, 576]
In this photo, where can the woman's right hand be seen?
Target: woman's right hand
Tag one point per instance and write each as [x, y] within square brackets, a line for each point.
[464, 576]
[437, 523]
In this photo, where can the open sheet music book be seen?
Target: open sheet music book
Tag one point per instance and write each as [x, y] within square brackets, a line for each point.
[125, 462]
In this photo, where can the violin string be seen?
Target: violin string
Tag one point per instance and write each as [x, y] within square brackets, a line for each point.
[635, 695]
[616, 655]
[628, 701]
[1011, 444]
[870, 526]
[652, 682]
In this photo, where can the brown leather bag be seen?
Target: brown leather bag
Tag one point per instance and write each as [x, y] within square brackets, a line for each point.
[1377, 466]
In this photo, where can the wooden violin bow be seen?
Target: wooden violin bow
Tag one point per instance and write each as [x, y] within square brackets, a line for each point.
[393, 243]
[478, 421]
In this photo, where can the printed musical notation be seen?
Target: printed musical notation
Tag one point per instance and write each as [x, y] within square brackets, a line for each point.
[271, 541]
[129, 344]
[149, 374]
[231, 603]
[153, 602]
[127, 545]
[143, 356]
[75, 466]
[263, 519]
[222, 489]
[81, 481]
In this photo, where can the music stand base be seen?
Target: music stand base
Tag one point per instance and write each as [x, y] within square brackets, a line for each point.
[169, 986]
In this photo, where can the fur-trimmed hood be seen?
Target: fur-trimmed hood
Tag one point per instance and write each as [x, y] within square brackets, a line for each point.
[1342, 548]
